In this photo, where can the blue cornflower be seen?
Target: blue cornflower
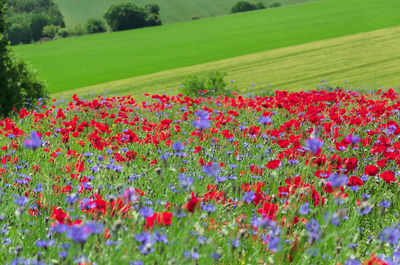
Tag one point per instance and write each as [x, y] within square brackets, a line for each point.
[136, 262]
[201, 123]
[21, 201]
[352, 262]
[178, 147]
[265, 120]
[39, 188]
[44, 244]
[235, 243]
[314, 144]
[384, 204]
[313, 228]
[143, 237]
[365, 210]
[337, 180]
[94, 227]
[390, 235]
[249, 196]
[202, 114]
[212, 170]
[110, 242]
[146, 211]
[63, 254]
[209, 208]
[353, 138]
[304, 209]
[34, 141]
[273, 243]
[77, 234]
[161, 238]
[185, 181]
[215, 255]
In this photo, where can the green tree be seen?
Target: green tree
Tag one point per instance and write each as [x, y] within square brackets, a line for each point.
[124, 16]
[94, 25]
[19, 86]
[19, 33]
[38, 22]
[153, 15]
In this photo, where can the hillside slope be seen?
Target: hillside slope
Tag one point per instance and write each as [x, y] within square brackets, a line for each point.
[89, 60]
[171, 11]
[364, 60]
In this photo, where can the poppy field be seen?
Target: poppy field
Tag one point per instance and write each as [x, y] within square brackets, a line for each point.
[285, 178]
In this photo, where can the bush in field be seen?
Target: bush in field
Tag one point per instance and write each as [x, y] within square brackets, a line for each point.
[243, 6]
[78, 30]
[49, 31]
[126, 15]
[214, 84]
[276, 4]
[95, 25]
[18, 84]
[63, 33]
[192, 85]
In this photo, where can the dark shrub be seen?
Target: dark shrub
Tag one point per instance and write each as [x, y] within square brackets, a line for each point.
[243, 6]
[276, 4]
[94, 25]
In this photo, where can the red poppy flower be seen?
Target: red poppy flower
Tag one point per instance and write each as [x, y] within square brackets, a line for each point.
[273, 164]
[269, 210]
[351, 163]
[162, 219]
[193, 204]
[371, 170]
[355, 181]
[59, 215]
[388, 176]
[283, 143]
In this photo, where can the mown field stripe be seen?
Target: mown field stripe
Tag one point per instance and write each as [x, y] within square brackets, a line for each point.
[364, 60]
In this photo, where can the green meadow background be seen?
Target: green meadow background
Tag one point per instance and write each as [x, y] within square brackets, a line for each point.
[78, 62]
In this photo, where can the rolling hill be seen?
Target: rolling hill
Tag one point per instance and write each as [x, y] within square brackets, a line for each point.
[83, 61]
[171, 11]
[365, 60]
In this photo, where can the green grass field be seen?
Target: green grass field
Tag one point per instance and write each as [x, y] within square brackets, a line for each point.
[172, 11]
[78, 62]
[365, 60]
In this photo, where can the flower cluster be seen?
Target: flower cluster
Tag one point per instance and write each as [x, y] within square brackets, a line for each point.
[303, 178]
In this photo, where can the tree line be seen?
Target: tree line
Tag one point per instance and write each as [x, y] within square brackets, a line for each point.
[243, 6]
[29, 21]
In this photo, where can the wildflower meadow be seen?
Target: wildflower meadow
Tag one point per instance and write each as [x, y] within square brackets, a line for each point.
[286, 178]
